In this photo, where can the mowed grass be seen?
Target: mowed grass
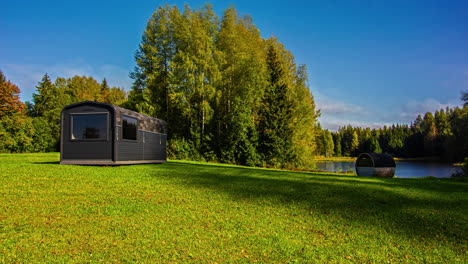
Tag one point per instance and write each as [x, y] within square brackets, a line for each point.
[186, 212]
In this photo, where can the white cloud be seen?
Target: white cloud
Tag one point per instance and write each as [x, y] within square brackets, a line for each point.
[26, 76]
[329, 106]
[412, 109]
[336, 113]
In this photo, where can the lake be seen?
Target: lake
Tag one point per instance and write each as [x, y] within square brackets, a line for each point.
[404, 169]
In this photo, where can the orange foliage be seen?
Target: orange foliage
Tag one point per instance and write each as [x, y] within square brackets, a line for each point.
[9, 98]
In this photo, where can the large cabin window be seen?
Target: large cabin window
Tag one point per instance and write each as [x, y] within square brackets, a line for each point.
[129, 128]
[89, 126]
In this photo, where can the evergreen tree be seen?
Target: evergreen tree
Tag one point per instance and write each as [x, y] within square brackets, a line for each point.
[276, 115]
[49, 102]
[374, 145]
[430, 134]
[329, 145]
[105, 92]
[459, 142]
[337, 143]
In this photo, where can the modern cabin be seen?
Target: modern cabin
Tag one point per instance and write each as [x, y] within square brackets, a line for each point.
[95, 133]
[375, 164]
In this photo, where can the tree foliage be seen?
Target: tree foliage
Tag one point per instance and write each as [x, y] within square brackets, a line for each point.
[226, 93]
[9, 97]
[464, 98]
[442, 134]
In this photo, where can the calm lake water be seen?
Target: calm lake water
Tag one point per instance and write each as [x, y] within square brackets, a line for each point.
[404, 169]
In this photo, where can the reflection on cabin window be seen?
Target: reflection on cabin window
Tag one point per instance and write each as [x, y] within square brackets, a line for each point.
[129, 128]
[89, 127]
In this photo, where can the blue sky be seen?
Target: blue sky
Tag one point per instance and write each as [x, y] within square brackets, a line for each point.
[370, 63]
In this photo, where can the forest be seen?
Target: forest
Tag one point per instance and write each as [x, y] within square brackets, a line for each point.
[227, 95]
[442, 135]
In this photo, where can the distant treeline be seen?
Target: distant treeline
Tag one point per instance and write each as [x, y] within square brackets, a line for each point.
[443, 134]
[35, 126]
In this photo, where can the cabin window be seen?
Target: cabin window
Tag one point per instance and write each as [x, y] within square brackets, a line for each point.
[89, 126]
[129, 128]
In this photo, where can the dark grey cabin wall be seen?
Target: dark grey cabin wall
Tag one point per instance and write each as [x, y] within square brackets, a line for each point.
[83, 150]
[155, 146]
[148, 146]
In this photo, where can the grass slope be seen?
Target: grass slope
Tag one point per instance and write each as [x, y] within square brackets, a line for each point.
[203, 213]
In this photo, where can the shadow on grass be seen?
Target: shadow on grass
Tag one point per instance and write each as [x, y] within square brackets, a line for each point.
[431, 209]
[47, 162]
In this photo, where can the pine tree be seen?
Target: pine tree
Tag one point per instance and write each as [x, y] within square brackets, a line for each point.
[49, 102]
[429, 130]
[105, 92]
[374, 145]
[275, 118]
[337, 143]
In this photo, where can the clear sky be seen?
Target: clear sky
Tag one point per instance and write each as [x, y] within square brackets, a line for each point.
[370, 62]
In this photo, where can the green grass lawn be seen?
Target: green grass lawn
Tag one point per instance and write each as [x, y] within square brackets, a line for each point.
[186, 212]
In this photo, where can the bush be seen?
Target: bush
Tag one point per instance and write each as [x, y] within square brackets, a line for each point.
[183, 150]
[16, 133]
[43, 138]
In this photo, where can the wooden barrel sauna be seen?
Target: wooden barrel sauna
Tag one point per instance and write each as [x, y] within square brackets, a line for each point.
[375, 164]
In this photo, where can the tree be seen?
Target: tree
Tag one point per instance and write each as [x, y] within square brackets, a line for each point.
[226, 93]
[151, 91]
[304, 120]
[464, 98]
[243, 80]
[16, 131]
[430, 134]
[337, 143]
[276, 115]
[459, 144]
[116, 96]
[83, 88]
[349, 141]
[9, 97]
[194, 70]
[49, 102]
[105, 92]
[328, 143]
[374, 145]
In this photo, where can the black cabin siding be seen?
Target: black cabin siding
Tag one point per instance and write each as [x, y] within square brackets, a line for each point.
[75, 149]
[155, 146]
[148, 146]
